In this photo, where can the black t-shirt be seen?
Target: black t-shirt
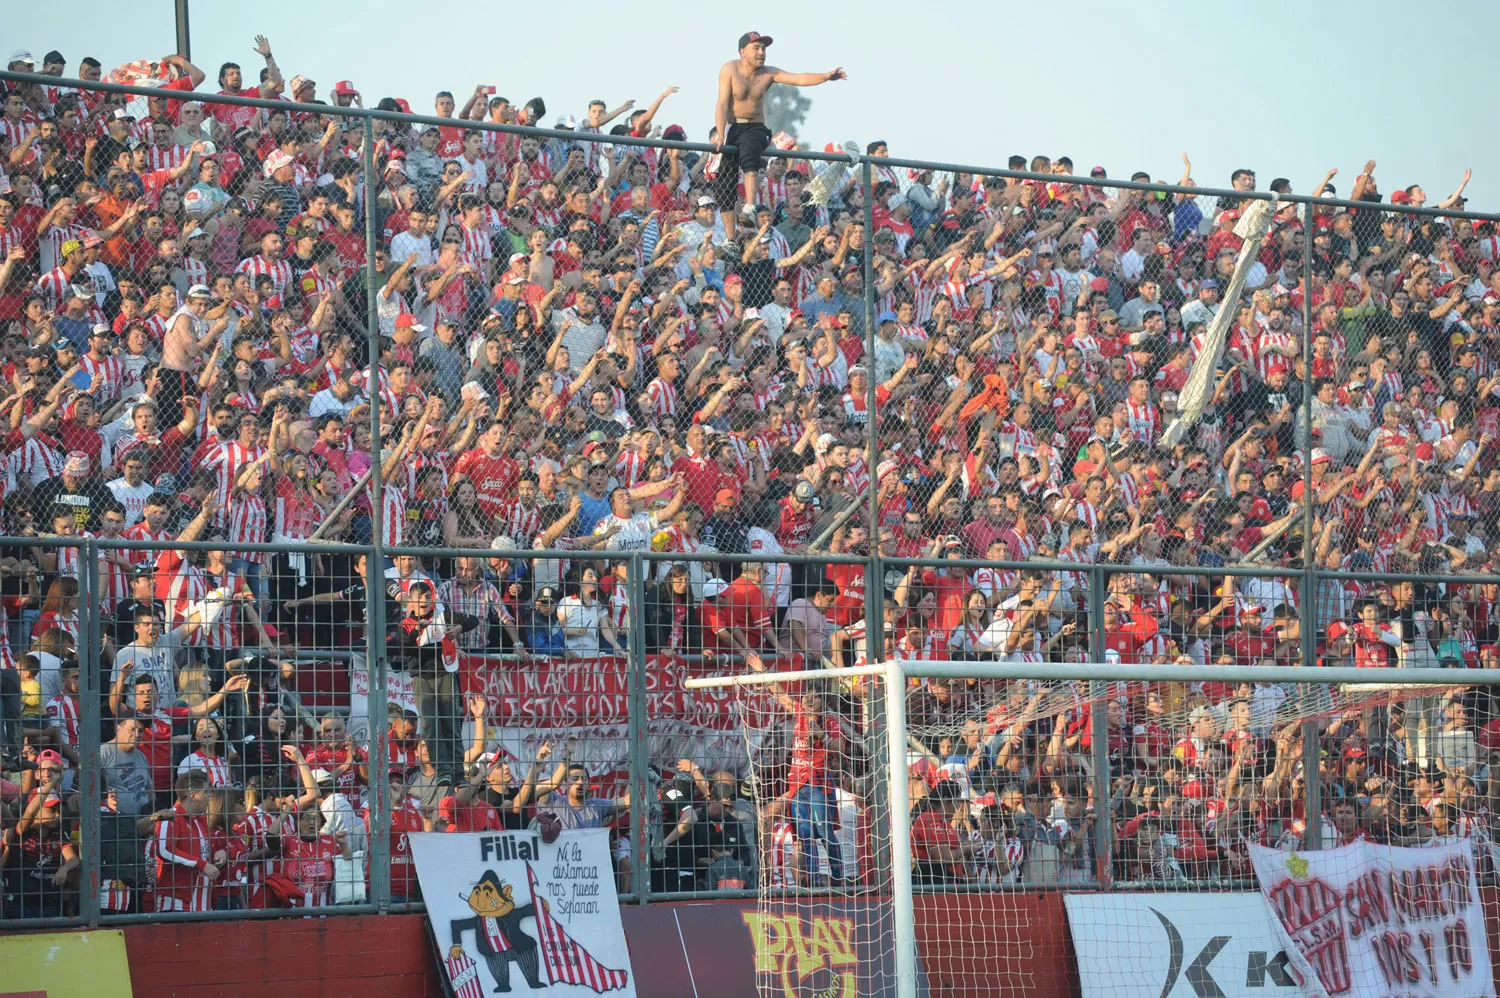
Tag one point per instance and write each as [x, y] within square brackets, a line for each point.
[123, 626]
[85, 501]
[505, 804]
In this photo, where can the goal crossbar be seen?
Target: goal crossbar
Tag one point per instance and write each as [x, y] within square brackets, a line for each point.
[1110, 672]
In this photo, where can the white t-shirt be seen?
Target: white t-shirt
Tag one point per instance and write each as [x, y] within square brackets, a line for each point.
[571, 613]
[635, 533]
[404, 244]
[132, 497]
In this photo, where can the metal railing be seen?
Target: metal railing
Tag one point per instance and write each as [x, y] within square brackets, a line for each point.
[93, 685]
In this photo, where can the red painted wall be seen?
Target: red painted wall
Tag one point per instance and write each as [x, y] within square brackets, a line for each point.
[990, 944]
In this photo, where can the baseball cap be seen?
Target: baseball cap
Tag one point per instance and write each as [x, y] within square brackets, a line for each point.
[408, 321]
[21, 55]
[101, 329]
[77, 463]
[804, 492]
[745, 39]
[298, 82]
[546, 593]
[83, 292]
[91, 238]
[706, 202]
[69, 247]
[674, 133]
[503, 543]
[713, 587]
[200, 291]
[343, 87]
[47, 757]
[725, 496]
[887, 317]
[63, 343]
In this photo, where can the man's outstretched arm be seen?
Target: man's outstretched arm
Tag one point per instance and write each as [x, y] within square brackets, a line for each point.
[806, 79]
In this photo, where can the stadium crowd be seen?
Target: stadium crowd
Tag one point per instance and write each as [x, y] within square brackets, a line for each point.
[574, 356]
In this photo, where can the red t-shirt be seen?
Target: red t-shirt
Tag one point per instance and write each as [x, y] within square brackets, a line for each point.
[494, 478]
[479, 815]
[404, 819]
[309, 865]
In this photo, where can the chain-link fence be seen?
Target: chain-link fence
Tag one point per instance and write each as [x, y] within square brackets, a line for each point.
[374, 473]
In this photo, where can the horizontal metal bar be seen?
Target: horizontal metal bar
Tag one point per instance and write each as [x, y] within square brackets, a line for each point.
[1333, 675]
[762, 678]
[125, 544]
[226, 916]
[1108, 568]
[765, 559]
[549, 555]
[703, 147]
[361, 113]
[50, 922]
[1446, 580]
[1214, 192]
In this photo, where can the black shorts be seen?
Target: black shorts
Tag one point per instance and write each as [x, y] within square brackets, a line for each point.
[750, 139]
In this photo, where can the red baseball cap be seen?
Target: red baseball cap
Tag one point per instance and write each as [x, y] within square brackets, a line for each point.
[1336, 630]
[343, 87]
[1400, 197]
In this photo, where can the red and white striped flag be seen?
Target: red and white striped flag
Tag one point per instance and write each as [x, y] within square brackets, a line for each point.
[463, 974]
[566, 961]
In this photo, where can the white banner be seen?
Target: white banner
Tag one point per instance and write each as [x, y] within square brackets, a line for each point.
[1372, 921]
[1178, 945]
[513, 913]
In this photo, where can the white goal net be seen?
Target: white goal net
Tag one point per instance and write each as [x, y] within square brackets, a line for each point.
[1011, 828]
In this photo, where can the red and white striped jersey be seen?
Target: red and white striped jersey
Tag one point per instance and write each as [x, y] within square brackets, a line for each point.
[255, 266]
[169, 158]
[38, 460]
[520, 523]
[664, 399]
[196, 270]
[108, 375]
[54, 288]
[180, 584]
[50, 242]
[247, 525]
[217, 767]
[18, 129]
[62, 714]
[781, 856]
[1269, 361]
[297, 513]
[229, 462]
[393, 506]
[1144, 420]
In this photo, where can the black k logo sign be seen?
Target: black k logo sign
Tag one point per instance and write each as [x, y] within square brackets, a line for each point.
[1202, 982]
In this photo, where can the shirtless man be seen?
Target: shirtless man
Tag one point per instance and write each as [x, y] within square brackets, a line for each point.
[741, 119]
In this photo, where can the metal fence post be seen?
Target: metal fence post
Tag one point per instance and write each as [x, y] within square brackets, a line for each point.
[1099, 731]
[638, 732]
[874, 574]
[376, 664]
[90, 683]
[1311, 754]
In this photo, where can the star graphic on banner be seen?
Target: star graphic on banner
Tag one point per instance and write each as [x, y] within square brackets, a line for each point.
[1297, 866]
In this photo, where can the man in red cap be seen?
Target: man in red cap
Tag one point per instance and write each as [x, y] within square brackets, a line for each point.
[740, 117]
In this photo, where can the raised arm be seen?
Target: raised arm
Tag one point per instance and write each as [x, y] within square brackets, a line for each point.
[806, 79]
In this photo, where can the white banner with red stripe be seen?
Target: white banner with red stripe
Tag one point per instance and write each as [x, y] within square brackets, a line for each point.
[1366, 920]
[509, 909]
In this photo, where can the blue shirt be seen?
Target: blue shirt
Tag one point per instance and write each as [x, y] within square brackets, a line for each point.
[75, 331]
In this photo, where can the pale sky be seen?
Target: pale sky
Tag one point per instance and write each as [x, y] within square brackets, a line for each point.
[1284, 88]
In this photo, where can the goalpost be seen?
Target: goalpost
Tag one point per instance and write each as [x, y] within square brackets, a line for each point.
[857, 772]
